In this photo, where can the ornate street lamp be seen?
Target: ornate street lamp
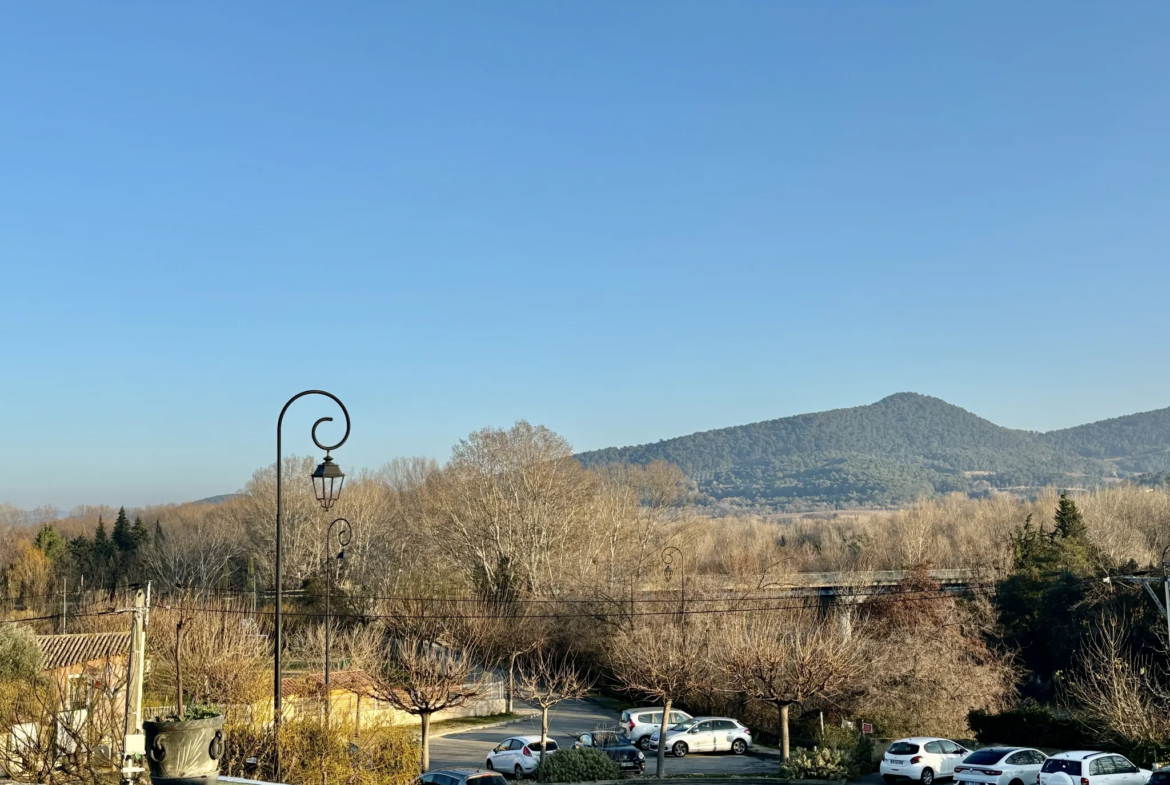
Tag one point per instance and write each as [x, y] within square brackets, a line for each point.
[669, 554]
[344, 533]
[327, 482]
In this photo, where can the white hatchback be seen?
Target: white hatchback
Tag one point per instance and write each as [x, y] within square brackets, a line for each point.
[1085, 767]
[924, 758]
[1000, 766]
[517, 755]
[640, 724]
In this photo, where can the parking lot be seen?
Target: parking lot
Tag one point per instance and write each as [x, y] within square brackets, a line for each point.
[571, 718]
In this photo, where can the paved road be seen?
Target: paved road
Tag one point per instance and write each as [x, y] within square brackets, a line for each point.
[569, 719]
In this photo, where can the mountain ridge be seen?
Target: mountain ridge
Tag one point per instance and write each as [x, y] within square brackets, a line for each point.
[899, 448]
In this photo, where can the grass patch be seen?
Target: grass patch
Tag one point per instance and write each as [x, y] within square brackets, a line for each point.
[472, 722]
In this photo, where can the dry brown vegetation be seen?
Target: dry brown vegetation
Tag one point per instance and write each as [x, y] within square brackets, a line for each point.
[513, 546]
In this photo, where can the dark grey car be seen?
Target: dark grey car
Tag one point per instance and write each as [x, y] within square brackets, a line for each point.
[460, 777]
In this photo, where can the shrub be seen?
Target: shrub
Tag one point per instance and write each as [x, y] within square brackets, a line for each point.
[20, 656]
[580, 765]
[1030, 724]
[856, 748]
[819, 763]
[315, 749]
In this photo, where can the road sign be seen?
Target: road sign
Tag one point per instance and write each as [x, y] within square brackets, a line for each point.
[866, 727]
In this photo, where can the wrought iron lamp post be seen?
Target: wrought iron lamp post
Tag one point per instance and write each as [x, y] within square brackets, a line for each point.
[669, 554]
[327, 481]
[344, 532]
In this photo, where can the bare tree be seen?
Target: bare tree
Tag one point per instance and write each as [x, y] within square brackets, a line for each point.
[422, 678]
[501, 633]
[546, 680]
[788, 659]
[657, 661]
[1117, 691]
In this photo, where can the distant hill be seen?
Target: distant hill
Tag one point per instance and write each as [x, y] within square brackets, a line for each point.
[898, 449]
[221, 499]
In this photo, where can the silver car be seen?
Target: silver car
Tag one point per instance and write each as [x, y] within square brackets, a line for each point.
[706, 734]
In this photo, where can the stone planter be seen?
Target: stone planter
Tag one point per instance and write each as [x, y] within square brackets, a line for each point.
[184, 752]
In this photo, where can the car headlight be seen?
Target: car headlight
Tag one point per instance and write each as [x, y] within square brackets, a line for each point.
[641, 756]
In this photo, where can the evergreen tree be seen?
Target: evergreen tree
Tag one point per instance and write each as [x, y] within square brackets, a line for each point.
[139, 533]
[123, 539]
[51, 543]
[158, 533]
[1069, 523]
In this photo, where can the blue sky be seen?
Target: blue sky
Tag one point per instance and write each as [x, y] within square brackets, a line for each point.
[627, 221]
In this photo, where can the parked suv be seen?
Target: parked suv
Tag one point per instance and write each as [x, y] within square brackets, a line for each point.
[1000, 766]
[922, 758]
[518, 755]
[1085, 767]
[640, 724]
[706, 734]
[629, 758]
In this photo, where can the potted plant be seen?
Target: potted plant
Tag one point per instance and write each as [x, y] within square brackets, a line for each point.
[184, 748]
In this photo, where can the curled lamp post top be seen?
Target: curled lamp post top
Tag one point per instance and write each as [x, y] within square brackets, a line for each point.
[668, 556]
[344, 535]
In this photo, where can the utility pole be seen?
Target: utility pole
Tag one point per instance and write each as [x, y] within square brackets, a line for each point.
[64, 600]
[1146, 581]
[135, 746]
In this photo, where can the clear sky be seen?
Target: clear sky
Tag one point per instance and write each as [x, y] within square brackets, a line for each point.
[627, 221]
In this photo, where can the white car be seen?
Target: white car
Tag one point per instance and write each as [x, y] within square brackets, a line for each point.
[1000, 766]
[640, 724]
[923, 758]
[1090, 768]
[517, 755]
[706, 734]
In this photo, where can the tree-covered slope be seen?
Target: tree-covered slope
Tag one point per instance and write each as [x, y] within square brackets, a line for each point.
[900, 448]
[1136, 442]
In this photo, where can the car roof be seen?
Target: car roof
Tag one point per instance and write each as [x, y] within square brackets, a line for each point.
[1080, 754]
[530, 738]
[461, 770]
[923, 738]
[655, 708]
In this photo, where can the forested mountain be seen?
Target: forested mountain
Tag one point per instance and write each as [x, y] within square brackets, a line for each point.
[1134, 443]
[898, 449]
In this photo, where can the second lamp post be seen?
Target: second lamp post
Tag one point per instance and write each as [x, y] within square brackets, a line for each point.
[344, 532]
[327, 481]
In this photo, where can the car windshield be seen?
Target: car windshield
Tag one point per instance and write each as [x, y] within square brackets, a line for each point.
[1160, 778]
[902, 748]
[985, 757]
[684, 724]
[1069, 767]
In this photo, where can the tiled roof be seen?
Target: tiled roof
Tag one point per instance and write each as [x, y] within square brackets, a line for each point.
[61, 651]
[358, 682]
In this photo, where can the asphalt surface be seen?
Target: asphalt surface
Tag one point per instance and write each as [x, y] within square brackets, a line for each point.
[566, 722]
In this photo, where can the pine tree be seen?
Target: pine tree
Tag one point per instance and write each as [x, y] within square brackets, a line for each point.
[51, 543]
[123, 539]
[139, 533]
[158, 533]
[1069, 523]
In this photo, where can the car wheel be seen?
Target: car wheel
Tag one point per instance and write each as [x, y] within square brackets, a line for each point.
[739, 746]
[643, 743]
[1016, 782]
[927, 776]
[519, 772]
[489, 765]
[679, 749]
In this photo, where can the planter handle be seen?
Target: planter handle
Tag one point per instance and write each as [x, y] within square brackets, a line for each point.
[215, 749]
[158, 750]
